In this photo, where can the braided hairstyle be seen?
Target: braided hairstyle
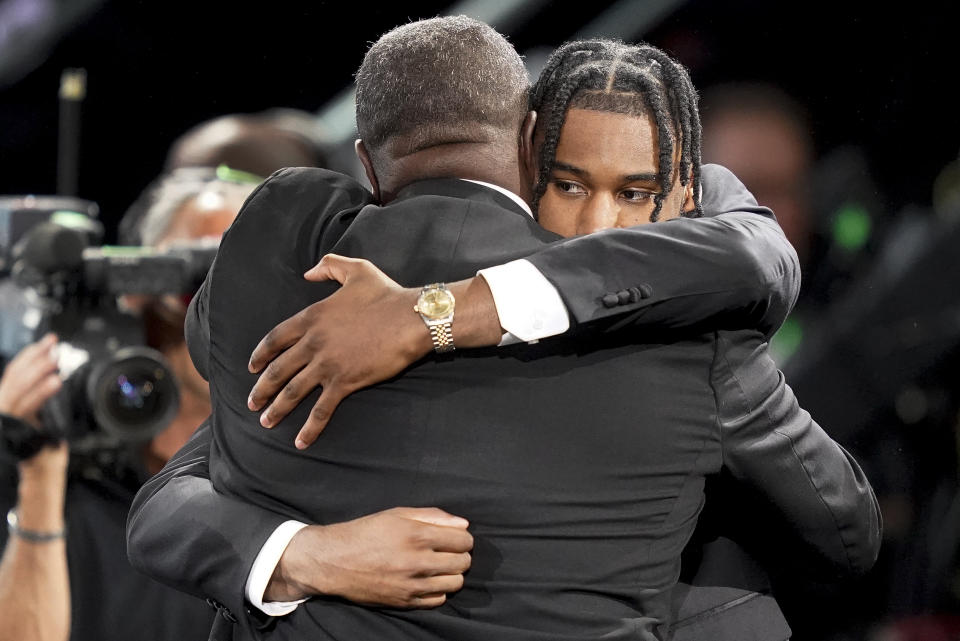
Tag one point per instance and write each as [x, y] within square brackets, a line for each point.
[636, 80]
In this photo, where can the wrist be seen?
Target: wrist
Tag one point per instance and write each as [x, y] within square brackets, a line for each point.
[40, 505]
[26, 532]
[291, 579]
[418, 336]
[46, 467]
[476, 323]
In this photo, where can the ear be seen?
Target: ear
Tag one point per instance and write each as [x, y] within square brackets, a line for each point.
[364, 157]
[528, 162]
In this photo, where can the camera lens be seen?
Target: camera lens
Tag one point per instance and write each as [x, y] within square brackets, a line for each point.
[133, 394]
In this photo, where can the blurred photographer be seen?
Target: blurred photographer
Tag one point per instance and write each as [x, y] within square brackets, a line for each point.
[64, 572]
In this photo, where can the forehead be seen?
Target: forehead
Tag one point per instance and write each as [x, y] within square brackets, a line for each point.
[208, 214]
[611, 142]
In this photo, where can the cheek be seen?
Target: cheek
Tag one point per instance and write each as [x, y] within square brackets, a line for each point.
[558, 215]
[633, 216]
[673, 204]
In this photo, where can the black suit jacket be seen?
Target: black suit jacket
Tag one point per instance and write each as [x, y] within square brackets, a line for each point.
[579, 507]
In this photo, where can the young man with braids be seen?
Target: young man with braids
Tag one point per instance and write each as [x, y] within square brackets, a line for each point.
[607, 77]
[578, 506]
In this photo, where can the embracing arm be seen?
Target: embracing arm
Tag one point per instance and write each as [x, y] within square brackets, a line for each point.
[816, 490]
[181, 531]
[733, 268]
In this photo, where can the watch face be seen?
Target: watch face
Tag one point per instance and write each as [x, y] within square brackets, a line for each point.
[436, 303]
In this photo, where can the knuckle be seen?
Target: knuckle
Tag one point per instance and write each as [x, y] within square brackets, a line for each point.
[272, 374]
[269, 343]
[319, 413]
[313, 341]
[415, 537]
[291, 391]
[408, 564]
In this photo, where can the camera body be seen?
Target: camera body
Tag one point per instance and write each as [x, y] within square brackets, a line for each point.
[116, 389]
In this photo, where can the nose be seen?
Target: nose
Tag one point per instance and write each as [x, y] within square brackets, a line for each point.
[599, 212]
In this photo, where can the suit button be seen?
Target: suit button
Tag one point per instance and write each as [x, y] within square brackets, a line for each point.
[634, 294]
[610, 300]
[645, 291]
[623, 297]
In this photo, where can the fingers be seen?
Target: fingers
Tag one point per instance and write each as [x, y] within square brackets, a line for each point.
[333, 267]
[38, 360]
[450, 539]
[444, 584]
[433, 515]
[434, 533]
[319, 416]
[449, 563]
[277, 339]
[279, 374]
[30, 379]
[441, 538]
[432, 592]
[430, 601]
[38, 394]
[287, 398]
[275, 378]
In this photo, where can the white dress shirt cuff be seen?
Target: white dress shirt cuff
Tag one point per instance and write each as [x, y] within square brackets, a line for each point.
[529, 306]
[264, 566]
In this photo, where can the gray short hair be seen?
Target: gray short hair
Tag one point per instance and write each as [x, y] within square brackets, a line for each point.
[439, 81]
[149, 219]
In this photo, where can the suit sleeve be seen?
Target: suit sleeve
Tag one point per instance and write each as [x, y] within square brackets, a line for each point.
[183, 533]
[732, 268]
[812, 487]
[180, 530]
[197, 331]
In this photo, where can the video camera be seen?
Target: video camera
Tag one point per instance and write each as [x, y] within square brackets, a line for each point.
[55, 277]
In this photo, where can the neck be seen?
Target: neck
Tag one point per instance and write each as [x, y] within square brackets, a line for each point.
[488, 162]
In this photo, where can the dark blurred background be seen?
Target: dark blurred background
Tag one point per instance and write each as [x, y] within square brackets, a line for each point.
[839, 115]
[880, 79]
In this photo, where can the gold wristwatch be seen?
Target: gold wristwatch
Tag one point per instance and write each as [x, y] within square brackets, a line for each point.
[435, 306]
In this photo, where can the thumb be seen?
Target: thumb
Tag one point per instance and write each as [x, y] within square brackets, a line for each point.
[330, 267]
[436, 516]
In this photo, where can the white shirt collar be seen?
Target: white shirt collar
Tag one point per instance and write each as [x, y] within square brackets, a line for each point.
[506, 192]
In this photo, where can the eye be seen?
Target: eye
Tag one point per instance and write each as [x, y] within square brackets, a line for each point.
[637, 196]
[569, 187]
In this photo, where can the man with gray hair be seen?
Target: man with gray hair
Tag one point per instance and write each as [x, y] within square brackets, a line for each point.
[578, 510]
[55, 584]
[411, 98]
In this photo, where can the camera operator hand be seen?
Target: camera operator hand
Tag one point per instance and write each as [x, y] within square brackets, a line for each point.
[34, 585]
[28, 381]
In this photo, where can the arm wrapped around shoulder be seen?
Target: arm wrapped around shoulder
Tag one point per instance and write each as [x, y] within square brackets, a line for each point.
[776, 449]
[184, 533]
[731, 269]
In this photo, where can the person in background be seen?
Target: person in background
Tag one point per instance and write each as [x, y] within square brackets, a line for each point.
[64, 573]
[762, 135]
[258, 144]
